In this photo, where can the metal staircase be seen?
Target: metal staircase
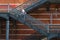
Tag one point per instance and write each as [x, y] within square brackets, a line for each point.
[20, 13]
[29, 20]
[28, 5]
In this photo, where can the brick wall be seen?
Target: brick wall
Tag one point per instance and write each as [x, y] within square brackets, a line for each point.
[11, 1]
[21, 31]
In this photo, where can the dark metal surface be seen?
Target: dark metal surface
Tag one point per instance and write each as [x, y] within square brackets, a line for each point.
[4, 15]
[54, 1]
[7, 29]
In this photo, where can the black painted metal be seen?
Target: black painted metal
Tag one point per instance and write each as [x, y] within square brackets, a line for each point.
[7, 29]
[54, 1]
[17, 15]
[0, 27]
[4, 15]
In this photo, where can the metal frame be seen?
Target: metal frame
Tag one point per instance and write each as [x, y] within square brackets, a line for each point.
[7, 29]
[7, 23]
[35, 5]
[16, 17]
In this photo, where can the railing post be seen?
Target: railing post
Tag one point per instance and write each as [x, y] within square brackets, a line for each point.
[7, 24]
[7, 29]
[8, 7]
[48, 29]
[48, 39]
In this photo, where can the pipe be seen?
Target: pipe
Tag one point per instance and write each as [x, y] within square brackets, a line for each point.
[7, 29]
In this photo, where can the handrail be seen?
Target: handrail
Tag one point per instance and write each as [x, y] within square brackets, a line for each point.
[20, 6]
[29, 20]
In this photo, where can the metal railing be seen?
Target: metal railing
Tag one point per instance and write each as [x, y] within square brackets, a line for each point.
[32, 21]
[6, 9]
[27, 4]
[29, 19]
